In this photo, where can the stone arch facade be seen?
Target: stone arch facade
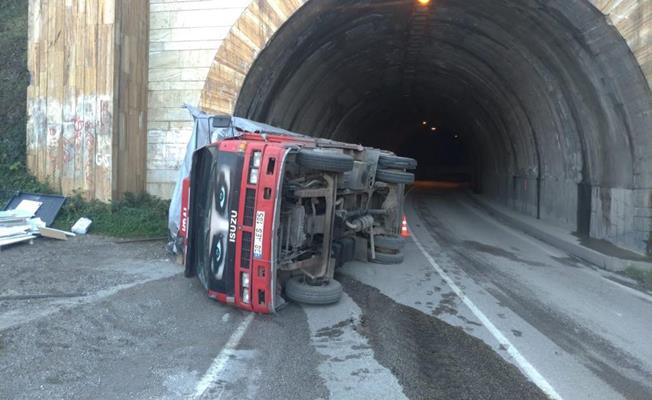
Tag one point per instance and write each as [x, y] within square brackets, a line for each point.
[211, 73]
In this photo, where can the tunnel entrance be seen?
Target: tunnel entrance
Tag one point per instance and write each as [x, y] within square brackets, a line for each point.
[541, 104]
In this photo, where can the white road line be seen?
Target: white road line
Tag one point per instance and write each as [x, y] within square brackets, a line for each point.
[220, 362]
[523, 363]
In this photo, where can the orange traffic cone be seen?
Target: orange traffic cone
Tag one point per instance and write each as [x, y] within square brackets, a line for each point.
[404, 228]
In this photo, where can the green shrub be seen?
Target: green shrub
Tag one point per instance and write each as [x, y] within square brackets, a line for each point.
[14, 79]
[134, 216]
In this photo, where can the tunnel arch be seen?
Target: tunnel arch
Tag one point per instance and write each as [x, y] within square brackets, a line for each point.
[554, 106]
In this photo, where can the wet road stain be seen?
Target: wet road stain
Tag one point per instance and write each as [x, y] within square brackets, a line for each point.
[498, 252]
[447, 305]
[362, 371]
[571, 262]
[468, 321]
[430, 358]
[333, 331]
[517, 333]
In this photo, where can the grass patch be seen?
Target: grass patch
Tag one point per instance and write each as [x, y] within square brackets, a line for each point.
[644, 278]
[136, 216]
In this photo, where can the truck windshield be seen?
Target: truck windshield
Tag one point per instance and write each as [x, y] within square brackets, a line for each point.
[214, 199]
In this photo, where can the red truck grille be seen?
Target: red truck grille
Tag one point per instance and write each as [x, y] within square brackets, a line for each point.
[250, 207]
[245, 256]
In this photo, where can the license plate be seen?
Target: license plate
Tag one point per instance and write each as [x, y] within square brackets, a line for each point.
[258, 234]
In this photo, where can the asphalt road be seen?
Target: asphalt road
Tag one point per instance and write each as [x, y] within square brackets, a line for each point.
[477, 311]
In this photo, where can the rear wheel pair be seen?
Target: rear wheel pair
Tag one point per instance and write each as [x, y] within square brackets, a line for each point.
[325, 160]
[391, 169]
[301, 290]
[388, 249]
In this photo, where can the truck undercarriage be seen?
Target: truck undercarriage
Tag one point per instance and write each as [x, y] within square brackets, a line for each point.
[270, 218]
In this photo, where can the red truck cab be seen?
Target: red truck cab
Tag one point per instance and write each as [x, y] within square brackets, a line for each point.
[269, 217]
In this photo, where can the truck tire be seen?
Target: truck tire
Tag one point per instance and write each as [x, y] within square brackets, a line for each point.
[394, 176]
[391, 161]
[390, 242]
[297, 289]
[325, 160]
[386, 258]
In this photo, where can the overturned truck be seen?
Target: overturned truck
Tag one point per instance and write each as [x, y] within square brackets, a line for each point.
[269, 217]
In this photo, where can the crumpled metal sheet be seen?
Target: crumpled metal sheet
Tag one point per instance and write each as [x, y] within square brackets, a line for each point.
[204, 133]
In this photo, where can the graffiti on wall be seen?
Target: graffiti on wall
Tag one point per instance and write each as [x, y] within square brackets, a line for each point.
[71, 145]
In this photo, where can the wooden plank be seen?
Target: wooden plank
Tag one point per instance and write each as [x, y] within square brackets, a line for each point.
[105, 100]
[55, 93]
[79, 124]
[70, 98]
[90, 91]
[41, 171]
[131, 87]
[55, 233]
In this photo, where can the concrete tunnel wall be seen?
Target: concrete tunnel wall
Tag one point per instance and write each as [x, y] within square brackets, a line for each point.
[551, 96]
[555, 103]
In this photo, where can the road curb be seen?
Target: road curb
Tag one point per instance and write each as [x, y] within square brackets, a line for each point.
[595, 257]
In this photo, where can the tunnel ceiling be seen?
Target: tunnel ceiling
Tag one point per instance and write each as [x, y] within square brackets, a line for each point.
[543, 90]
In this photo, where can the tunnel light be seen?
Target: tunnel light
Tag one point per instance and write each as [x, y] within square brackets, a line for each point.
[424, 123]
[423, 2]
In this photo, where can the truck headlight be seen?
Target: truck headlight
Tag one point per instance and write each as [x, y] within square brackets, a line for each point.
[258, 157]
[244, 281]
[245, 295]
[253, 176]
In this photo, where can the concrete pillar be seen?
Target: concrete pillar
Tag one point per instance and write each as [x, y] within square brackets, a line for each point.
[86, 100]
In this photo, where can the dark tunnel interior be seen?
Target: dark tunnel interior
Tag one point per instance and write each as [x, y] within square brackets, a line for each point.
[540, 103]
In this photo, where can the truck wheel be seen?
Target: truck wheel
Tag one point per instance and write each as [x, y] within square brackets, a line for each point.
[325, 160]
[386, 258]
[394, 176]
[391, 161]
[390, 242]
[299, 290]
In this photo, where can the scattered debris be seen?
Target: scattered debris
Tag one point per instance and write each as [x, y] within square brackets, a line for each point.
[27, 216]
[81, 226]
[16, 239]
[55, 233]
[29, 206]
[15, 227]
[47, 206]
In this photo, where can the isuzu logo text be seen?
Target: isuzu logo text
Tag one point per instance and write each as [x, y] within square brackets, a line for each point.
[233, 225]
